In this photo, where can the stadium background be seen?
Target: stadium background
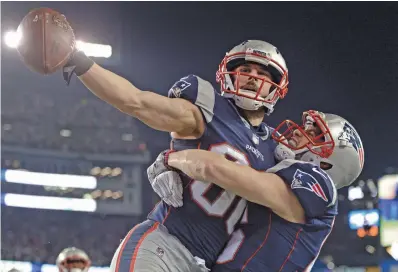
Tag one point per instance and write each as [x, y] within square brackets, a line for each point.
[342, 58]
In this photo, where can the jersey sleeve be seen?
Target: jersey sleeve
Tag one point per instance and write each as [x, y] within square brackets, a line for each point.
[312, 186]
[197, 91]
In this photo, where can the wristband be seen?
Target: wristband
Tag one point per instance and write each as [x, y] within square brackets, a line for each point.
[78, 64]
[82, 63]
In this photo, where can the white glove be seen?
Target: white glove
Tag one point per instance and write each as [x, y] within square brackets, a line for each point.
[166, 183]
[282, 152]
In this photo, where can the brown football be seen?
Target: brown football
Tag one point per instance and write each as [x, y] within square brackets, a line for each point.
[47, 40]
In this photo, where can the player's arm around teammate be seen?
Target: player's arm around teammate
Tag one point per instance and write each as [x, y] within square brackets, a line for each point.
[157, 111]
[239, 179]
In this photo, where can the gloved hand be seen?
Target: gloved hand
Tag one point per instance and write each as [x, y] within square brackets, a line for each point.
[165, 181]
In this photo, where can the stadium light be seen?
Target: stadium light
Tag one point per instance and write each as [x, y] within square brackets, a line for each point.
[47, 179]
[50, 203]
[12, 38]
[94, 49]
[355, 193]
[116, 171]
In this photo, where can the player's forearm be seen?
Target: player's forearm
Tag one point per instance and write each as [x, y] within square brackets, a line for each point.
[157, 111]
[212, 167]
[192, 162]
[111, 87]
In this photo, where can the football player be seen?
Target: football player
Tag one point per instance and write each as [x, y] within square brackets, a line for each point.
[293, 205]
[253, 77]
[72, 259]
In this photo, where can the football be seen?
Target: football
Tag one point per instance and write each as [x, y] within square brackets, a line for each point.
[47, 40]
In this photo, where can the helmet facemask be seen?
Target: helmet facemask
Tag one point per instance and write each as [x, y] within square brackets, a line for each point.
[75, 264]
[320, 144]
[247, 99]
[72, 259]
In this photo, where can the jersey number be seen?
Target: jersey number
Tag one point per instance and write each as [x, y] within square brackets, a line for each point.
[234, 243]
[224, 199]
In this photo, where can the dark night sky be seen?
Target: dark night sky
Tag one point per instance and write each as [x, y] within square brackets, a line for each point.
[342, 56]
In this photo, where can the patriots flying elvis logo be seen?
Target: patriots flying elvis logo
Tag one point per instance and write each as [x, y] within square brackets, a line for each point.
[303, 180]
[179, 87]
[350, 135]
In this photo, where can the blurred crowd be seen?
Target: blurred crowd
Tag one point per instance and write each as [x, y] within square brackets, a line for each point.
[68, 121]
[39, 235]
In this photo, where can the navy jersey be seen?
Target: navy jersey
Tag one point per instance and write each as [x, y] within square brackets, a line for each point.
[266, 242]
[209, 214]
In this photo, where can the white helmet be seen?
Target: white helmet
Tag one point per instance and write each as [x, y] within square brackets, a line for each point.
[258, 52]
[338, 145]
[69, 256]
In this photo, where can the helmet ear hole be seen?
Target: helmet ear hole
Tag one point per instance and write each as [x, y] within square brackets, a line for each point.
[325, 165]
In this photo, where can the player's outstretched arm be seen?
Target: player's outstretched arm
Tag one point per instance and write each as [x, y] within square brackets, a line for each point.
[157, 111]
[266, 189]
